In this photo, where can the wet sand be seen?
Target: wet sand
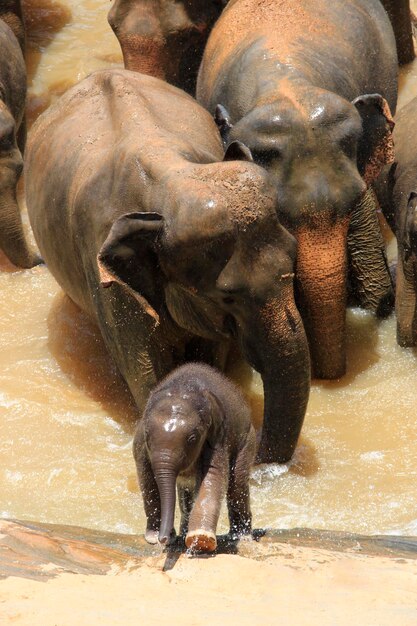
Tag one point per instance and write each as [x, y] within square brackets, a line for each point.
[301, 587]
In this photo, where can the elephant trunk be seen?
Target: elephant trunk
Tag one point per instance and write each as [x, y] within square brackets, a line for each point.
[166, 478]
[285, 370]
[322, 275]
[144, 54]
[12, 237]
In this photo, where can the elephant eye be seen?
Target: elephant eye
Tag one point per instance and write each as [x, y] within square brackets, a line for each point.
[192, 438]
[265, 157]
[349, 146]
[7, 140]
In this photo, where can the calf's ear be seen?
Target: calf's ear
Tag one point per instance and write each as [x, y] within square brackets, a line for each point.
[128, 257]
[376, 145]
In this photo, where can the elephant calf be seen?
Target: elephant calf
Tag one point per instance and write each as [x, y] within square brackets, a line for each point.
[397, 192]
[196, 431]
[12, 137]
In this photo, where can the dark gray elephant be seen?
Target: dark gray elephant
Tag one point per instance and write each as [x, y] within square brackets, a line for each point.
[196, 432]
[164, 38]
[12, 137]
[299, 84]
[169, 244]
[397, 193]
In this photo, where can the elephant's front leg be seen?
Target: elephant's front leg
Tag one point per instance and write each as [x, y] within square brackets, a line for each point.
[238, 497]
[12, 236]
[370, 275]
[149, 489]
[405, 306]
[204, 516]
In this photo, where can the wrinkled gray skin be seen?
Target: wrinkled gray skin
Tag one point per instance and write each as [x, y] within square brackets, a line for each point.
[397, 193]
[12, 137]
[196, 433]
[297, 81]
[171, 246]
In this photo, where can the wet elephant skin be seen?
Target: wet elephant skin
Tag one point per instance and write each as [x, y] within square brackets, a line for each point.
[172, 246]
[315, 112]
[196, 433]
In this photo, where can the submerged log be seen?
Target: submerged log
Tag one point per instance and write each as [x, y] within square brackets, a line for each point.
[42, 551]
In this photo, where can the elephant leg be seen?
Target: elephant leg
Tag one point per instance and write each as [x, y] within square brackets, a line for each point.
[400, 15]
[405, 308]
[370, 276]
[238, 498]
[204, 516]
[12, 236]
[185, 500]
[149, 489]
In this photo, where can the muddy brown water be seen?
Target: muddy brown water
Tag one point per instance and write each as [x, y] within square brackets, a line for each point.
[67, 419]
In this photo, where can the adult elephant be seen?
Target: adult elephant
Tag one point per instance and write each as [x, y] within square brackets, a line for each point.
[12, 137]
[299, 82]
[400, 15]
[397, 192]
[170, 247]
[164, 38]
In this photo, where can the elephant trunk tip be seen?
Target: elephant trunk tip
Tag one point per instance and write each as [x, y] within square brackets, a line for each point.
[163, 539]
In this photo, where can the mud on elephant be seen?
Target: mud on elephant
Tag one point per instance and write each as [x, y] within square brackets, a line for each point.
[12, 135]
[308, 107]
[171, 245]
[196, 432]
[164, 38]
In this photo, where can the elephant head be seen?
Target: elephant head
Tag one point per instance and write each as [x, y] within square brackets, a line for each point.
[164, 38]
[222, 266]
[406, 287]
[322, 154]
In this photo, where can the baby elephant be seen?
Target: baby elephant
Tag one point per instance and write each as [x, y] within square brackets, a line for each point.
[196, 428]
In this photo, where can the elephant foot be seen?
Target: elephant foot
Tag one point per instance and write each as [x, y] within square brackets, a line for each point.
[201, 540]
[151, 536]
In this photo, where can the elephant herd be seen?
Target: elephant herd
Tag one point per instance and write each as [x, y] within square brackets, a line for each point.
[241, 219]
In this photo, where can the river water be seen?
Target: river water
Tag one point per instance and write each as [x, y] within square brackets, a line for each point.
[67, 418]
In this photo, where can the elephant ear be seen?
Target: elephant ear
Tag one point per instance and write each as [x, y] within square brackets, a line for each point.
[216, 431]
[238, 151]
[376, 146]
[222, 119]
[128, 257]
